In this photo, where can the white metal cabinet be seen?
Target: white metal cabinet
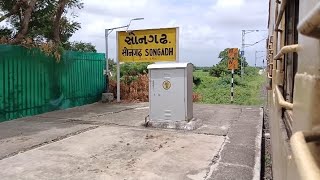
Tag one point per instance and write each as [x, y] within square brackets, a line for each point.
[170, 92]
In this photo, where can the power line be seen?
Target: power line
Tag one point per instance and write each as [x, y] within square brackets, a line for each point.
[243, 46]
[248, 45]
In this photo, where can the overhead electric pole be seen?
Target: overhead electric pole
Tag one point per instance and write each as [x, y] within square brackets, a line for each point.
[255, 57]
[243, 45]
[242, 52]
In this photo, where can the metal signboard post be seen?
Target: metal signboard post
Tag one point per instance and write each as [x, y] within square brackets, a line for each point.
[232, 65]
[107, 32]
[149, 45]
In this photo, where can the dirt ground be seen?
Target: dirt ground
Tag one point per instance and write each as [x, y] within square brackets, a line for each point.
[266, 159]
[266, 153]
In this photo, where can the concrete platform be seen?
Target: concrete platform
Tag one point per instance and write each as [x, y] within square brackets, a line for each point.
[193, 124]
[108, 141]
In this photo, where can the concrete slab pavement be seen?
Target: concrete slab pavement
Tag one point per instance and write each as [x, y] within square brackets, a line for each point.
[117, 153]
[103, 141]
[27, 133]
[21, 135]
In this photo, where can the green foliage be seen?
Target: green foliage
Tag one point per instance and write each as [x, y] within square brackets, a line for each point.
[41, 23]
[112, 65]
[196, 81]
[80, 46]
[5, 32]
[130, 71]
[204, 69]
[133, 69]
[221, 68]
[226, 81]
[216, 90]
[128, 79]
[67, 29]
[206, 80]
[251, 71]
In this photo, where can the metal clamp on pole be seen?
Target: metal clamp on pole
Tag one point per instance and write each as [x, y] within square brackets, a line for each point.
[306, 163]
[286, 49]
[281, 100]
[309, 26]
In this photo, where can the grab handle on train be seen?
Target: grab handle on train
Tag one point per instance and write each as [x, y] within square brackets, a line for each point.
[309, 26]
[283, 103]
[305, 161]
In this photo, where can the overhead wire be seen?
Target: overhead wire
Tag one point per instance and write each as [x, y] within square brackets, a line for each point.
[248, 45]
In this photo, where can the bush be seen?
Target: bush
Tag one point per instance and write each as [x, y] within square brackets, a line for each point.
[136, 90]
[196, 97]
[226, 81]
[196, 81]
[218, 70]
[217, 90]
[251, 71]
[133, 69]
[203, 68]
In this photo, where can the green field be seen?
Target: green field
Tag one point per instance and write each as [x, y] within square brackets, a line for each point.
[213, 90]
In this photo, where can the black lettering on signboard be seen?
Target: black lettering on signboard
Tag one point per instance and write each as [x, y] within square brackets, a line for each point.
[131, 52]
[152, 38]
[124, 51]
[156, 39]
[143, 40]
[131, 40]
[163, 39]
[159, 52]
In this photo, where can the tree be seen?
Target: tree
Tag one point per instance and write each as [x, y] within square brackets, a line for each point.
[40, 20]
[10, 8]
[57, 19]
[218, 70]
[222, 67]
[24, 24]
[5, 32]
[112, 65]
[80, 46]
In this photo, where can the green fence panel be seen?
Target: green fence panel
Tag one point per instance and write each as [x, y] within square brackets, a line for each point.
[32, 83]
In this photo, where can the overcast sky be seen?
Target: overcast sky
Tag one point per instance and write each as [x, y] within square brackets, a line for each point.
[206, 26]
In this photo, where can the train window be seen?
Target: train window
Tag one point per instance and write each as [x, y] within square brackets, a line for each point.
[291, 37]
[290, 59]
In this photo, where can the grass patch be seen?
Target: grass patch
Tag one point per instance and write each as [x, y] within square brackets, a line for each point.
[215, 90]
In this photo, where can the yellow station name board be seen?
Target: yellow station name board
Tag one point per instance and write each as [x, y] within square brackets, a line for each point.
[150, 45]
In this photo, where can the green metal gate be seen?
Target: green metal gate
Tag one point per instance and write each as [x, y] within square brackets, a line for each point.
[32, 83]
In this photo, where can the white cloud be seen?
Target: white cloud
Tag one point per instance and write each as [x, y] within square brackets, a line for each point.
[206, 26]
[229, 3]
